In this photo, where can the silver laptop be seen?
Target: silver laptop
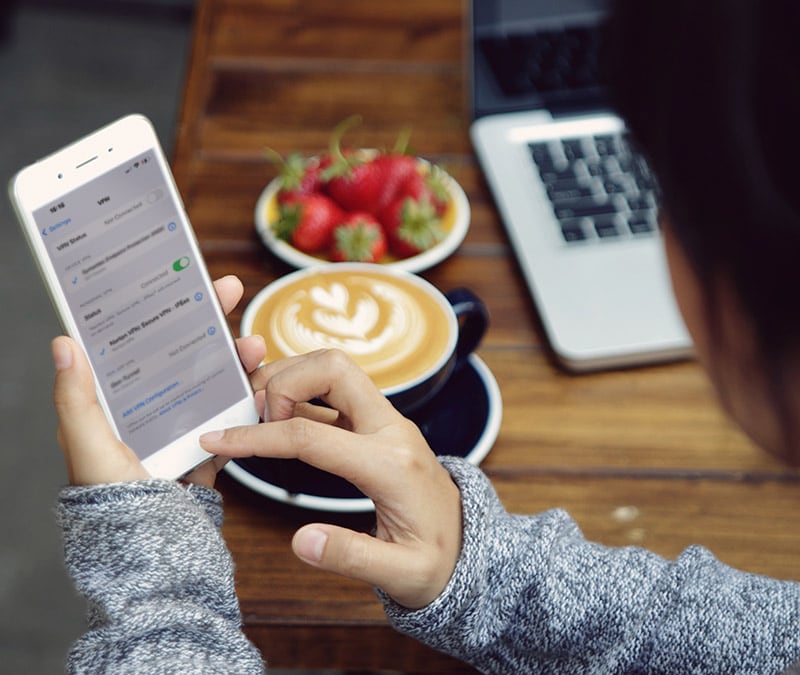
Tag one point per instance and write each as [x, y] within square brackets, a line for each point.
[578, 202]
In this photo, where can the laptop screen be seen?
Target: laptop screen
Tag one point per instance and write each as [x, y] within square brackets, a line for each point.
[531, 54]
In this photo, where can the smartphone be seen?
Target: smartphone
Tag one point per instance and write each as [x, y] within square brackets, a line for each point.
[112, 241]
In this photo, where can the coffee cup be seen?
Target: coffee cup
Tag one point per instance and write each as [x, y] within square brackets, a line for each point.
[399, 328]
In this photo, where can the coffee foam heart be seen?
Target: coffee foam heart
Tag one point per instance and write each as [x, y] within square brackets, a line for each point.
[394, 329]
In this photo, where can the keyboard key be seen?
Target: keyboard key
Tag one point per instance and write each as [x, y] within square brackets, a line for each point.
[641, 223]
[616, 185]
[641, 202]
[606, 227]
[605, 145]
[595, 169]
[568, 190]
[572, 230]
[555, 174]
[583, 208]
[611, 166]
[573, 149]
[540, 152]
[550, 165]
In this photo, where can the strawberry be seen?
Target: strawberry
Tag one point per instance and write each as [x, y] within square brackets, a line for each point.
[299, 175]
[395, 169]
[436, 180]
[430, 186]
[308, 221]
[415, 187]
[367, 185]
[359, 238]
[411, 226]
[358, 187]
[353, 182]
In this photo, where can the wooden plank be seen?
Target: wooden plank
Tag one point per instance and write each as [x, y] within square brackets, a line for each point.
[248, 111]
[424, 31]
[372, 650]
[659, 421]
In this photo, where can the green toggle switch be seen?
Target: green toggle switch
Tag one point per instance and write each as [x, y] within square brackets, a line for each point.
[181, 264]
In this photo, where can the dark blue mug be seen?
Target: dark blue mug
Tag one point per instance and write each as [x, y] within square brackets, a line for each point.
[472, 320]
[442, 338]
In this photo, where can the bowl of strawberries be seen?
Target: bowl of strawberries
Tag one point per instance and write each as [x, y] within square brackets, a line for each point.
[362, 205]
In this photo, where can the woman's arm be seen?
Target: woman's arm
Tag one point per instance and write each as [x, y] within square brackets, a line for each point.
[158, 579]
[530, 594]
[146, 554]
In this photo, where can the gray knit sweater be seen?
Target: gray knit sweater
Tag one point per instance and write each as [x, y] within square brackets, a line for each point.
[529, 594]
[158, 579]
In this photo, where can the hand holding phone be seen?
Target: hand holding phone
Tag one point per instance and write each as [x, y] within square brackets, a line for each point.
[109, 233]
[93, 453]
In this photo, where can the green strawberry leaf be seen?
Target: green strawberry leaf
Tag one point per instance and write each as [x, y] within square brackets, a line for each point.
[419, 225]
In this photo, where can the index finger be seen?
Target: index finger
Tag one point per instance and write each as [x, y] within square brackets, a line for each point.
[331, 376]
[354, 457]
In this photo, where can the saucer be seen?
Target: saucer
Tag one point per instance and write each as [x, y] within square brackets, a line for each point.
[462, 420]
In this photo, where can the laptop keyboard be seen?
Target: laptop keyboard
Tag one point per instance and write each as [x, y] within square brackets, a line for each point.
[599, 188]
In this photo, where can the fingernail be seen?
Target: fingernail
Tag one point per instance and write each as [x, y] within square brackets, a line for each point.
[62, 354]
[310, 544]
[212, 436]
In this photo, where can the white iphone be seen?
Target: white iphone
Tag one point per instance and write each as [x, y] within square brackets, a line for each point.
[112, 241]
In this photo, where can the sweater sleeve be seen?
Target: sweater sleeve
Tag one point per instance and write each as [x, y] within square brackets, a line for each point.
[158, 580]
[530, 594]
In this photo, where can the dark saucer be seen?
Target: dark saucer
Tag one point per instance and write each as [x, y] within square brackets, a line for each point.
[462, 420]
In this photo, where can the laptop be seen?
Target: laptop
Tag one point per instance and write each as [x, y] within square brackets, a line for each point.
[578, 202]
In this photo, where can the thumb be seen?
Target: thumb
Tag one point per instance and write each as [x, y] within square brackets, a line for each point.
[360, 556]
[93, 453]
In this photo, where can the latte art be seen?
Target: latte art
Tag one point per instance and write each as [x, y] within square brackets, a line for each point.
[395, 330]
[378, 323]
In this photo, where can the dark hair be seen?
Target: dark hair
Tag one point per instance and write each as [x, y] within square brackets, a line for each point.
[708, 89]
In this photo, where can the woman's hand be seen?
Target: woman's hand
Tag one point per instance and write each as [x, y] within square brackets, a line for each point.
[93, 453]
[362, 438]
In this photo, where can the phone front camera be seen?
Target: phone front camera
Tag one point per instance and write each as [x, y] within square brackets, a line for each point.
[60, 176]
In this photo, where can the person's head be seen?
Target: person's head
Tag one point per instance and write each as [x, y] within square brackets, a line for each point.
[707, 89]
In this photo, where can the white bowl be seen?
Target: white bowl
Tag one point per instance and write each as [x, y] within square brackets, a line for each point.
[455, 220]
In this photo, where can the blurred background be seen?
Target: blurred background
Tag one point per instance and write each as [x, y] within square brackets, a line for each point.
[66, 67]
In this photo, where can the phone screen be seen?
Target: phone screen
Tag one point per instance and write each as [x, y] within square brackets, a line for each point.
[140, 301]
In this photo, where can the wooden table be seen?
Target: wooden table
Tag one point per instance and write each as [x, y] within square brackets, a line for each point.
[641, 456]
